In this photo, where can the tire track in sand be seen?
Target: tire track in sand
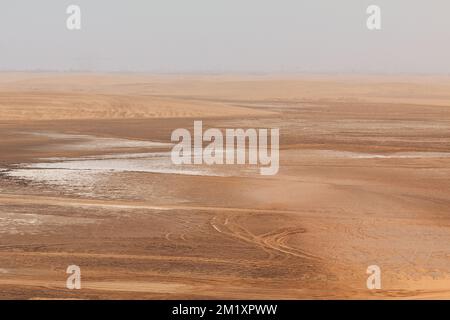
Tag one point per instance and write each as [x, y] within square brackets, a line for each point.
[274, 243]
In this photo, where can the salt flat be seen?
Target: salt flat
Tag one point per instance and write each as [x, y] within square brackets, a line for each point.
[85, 179]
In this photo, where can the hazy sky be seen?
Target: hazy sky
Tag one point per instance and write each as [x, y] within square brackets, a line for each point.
[226, 36]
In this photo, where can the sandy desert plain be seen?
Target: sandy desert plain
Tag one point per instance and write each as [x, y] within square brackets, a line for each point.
[85, 179]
